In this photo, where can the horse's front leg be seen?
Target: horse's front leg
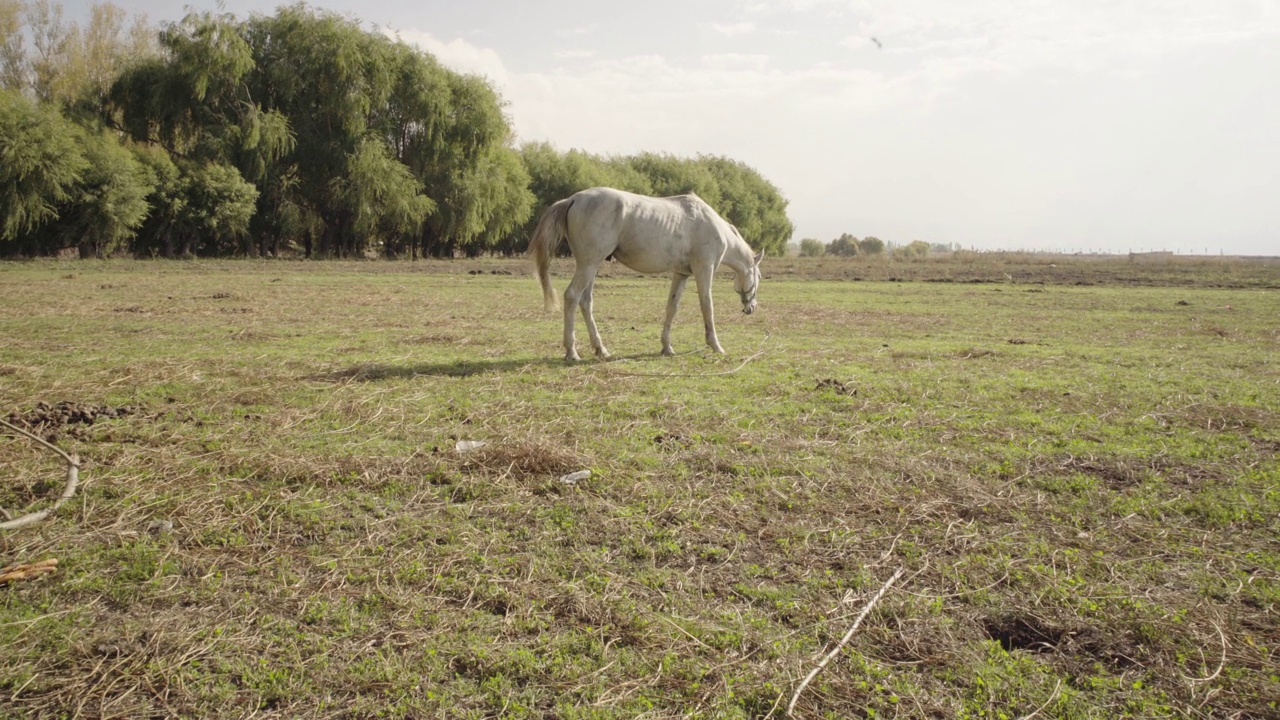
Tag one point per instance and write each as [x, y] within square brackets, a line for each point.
[708, 310]
[673, 304]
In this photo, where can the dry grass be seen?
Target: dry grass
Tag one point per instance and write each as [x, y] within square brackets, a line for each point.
[281, 524]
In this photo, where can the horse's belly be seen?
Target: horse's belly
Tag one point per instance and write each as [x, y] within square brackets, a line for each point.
[651, 260]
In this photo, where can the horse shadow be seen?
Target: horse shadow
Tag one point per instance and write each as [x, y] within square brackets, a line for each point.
[373, 372]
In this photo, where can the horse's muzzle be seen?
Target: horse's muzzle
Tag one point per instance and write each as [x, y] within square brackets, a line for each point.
[749, 308]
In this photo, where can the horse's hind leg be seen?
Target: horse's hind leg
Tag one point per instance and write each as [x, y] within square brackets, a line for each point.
[596, 343]
[570, 310]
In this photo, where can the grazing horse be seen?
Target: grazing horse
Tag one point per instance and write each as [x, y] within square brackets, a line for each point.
[680, 235]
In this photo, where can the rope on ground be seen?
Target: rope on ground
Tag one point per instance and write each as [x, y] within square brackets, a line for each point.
[621, 373]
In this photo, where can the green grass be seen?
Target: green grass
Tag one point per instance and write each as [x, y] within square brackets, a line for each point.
[1079, 479]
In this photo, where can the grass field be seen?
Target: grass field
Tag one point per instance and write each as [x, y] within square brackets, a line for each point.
[1075, 466]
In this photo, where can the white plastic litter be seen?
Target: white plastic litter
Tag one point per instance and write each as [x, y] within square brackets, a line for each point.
[469, 445]
[575, 477]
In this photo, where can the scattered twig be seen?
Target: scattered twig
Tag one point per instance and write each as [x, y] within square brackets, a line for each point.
[73, 479]
[791, 706]
[1046, 704]
[1221, 663]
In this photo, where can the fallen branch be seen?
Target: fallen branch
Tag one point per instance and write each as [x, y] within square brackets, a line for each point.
[866, 610]
[68, 490]
[21, 571]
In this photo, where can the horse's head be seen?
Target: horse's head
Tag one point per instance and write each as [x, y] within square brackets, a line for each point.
[746, 283]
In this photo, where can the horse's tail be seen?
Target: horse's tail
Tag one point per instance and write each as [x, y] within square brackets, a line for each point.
[552, 229]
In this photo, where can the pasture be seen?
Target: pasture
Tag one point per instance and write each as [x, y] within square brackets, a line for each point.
[1075, 467]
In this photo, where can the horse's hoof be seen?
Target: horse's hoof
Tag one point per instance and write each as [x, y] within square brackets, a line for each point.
[603, 355]
[668, 352]
[572, 357]
[717, 349]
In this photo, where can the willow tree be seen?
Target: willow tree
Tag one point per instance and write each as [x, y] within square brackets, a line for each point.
[462, 152]
[110, 202]
[671, 175]
[193, 101]
[12, 46]
[383, 196]
[66, 63]
[554, 175]
[734, 189]
[41, 165]
[326, 75]
[751, 203]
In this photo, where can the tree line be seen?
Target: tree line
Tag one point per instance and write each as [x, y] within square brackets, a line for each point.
[295, 133]
[870, 246]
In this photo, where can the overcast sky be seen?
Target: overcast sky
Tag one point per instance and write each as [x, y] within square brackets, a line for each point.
[1061, 124]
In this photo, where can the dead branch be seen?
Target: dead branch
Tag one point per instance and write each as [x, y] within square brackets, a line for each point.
[27, 571]
[68, 490]
[791, 706]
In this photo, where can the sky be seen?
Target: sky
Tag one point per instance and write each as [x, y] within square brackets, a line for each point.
[1071, 126]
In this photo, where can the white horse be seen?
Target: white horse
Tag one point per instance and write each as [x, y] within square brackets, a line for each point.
[680, 235]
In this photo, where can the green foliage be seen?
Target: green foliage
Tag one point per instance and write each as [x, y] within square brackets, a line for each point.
[12, 52]
[62, 185]
[106, 206]
[810, 247]
[361, 565]
[350, 140]
[844, 246]
[915, 250]
[735, 190]
[41, 163]
[70, 66]
[870, 245]
[219, 203]
[109, 203]
[482, 188]
[384, 197]
[670, 175]
[751, 203]
[167, 202]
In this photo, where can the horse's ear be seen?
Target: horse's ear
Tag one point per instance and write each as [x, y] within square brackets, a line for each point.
[759, 257]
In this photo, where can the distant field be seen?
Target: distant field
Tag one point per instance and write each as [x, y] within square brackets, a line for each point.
[1073, 461]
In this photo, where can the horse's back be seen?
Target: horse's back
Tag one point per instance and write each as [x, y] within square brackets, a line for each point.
[647, 234]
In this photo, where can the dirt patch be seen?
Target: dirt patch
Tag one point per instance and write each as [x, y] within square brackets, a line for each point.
[1117, 474]
[835, 385]
[49, 421]
[1024, 631]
